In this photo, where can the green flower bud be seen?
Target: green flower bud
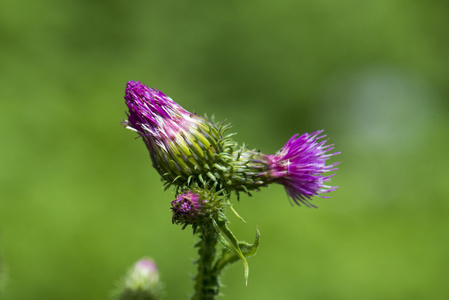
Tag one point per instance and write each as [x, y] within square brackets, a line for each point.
[183, 146]
[141, 282]
[196, 207]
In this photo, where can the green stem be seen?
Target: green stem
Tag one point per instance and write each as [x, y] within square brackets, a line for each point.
[206, 281]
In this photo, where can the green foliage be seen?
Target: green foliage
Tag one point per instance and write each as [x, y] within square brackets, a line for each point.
[209, 268]
[227, 239]
[79, 200]
[235, 250]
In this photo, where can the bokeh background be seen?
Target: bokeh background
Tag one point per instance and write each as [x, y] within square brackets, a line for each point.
[80, 202]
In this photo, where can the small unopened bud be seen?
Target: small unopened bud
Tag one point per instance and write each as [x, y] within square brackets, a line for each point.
[141, 282]
[195, 208]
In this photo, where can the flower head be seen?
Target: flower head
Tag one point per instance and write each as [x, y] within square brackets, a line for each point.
[299, 167]
[181, 144]
[141, 282]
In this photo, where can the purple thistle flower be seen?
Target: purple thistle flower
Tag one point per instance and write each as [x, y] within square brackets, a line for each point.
[299, 167]
[180, 143]
[186, 149]
[154, 116]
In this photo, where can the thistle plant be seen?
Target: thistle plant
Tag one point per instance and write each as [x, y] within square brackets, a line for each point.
[140, 283]
[205, 166]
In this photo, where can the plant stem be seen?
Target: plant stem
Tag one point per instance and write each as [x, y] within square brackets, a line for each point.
[206, 281]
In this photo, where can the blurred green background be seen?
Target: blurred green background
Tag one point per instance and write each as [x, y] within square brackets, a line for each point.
[80, 202]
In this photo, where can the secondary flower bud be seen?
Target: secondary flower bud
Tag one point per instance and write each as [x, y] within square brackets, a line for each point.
[141, 282]
[195, 208]
[299, 167]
